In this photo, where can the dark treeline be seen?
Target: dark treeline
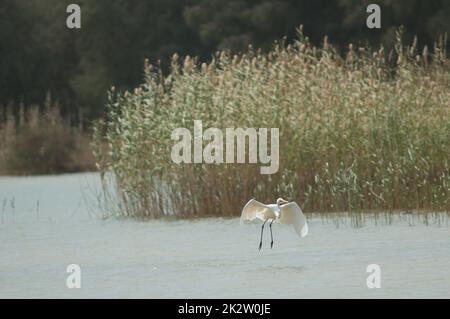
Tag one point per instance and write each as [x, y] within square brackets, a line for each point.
[40, 55]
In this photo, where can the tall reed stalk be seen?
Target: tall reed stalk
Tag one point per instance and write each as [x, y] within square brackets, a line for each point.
[369, 130]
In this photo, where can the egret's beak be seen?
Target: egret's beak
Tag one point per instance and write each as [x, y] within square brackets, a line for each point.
[282, 201]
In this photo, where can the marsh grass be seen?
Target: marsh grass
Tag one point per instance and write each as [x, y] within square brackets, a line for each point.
[382, 218]
[42, 141]
[367, 130]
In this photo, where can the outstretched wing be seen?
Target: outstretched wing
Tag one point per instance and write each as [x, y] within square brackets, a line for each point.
[292, 214]
[252, 210]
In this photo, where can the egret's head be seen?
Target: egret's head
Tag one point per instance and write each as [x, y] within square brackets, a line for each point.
[281, 201]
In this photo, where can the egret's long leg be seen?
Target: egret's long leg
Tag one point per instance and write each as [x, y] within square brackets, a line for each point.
[262, 230]
[271, 236]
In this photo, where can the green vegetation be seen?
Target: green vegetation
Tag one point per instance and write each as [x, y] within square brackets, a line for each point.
[39, 54]
[368, 131]
[43, 142]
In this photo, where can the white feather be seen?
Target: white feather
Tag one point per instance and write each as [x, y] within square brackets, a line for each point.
[289, 213]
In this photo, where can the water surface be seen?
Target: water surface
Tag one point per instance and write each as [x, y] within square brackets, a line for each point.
[50, 222]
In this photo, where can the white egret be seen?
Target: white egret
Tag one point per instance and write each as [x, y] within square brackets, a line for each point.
[282, 212]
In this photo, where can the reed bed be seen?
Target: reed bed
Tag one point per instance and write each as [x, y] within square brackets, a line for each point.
[365, 130]
[42, 141]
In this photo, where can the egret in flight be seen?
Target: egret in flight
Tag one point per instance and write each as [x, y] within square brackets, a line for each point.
[283, 212]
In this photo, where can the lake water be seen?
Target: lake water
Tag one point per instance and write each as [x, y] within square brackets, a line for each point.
[50, 222]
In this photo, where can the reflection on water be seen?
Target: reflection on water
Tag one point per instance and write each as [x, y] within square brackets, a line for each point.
[46, 225]
[284, 268]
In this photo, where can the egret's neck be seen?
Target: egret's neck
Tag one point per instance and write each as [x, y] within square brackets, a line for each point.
[279, 203]
[278, 210]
